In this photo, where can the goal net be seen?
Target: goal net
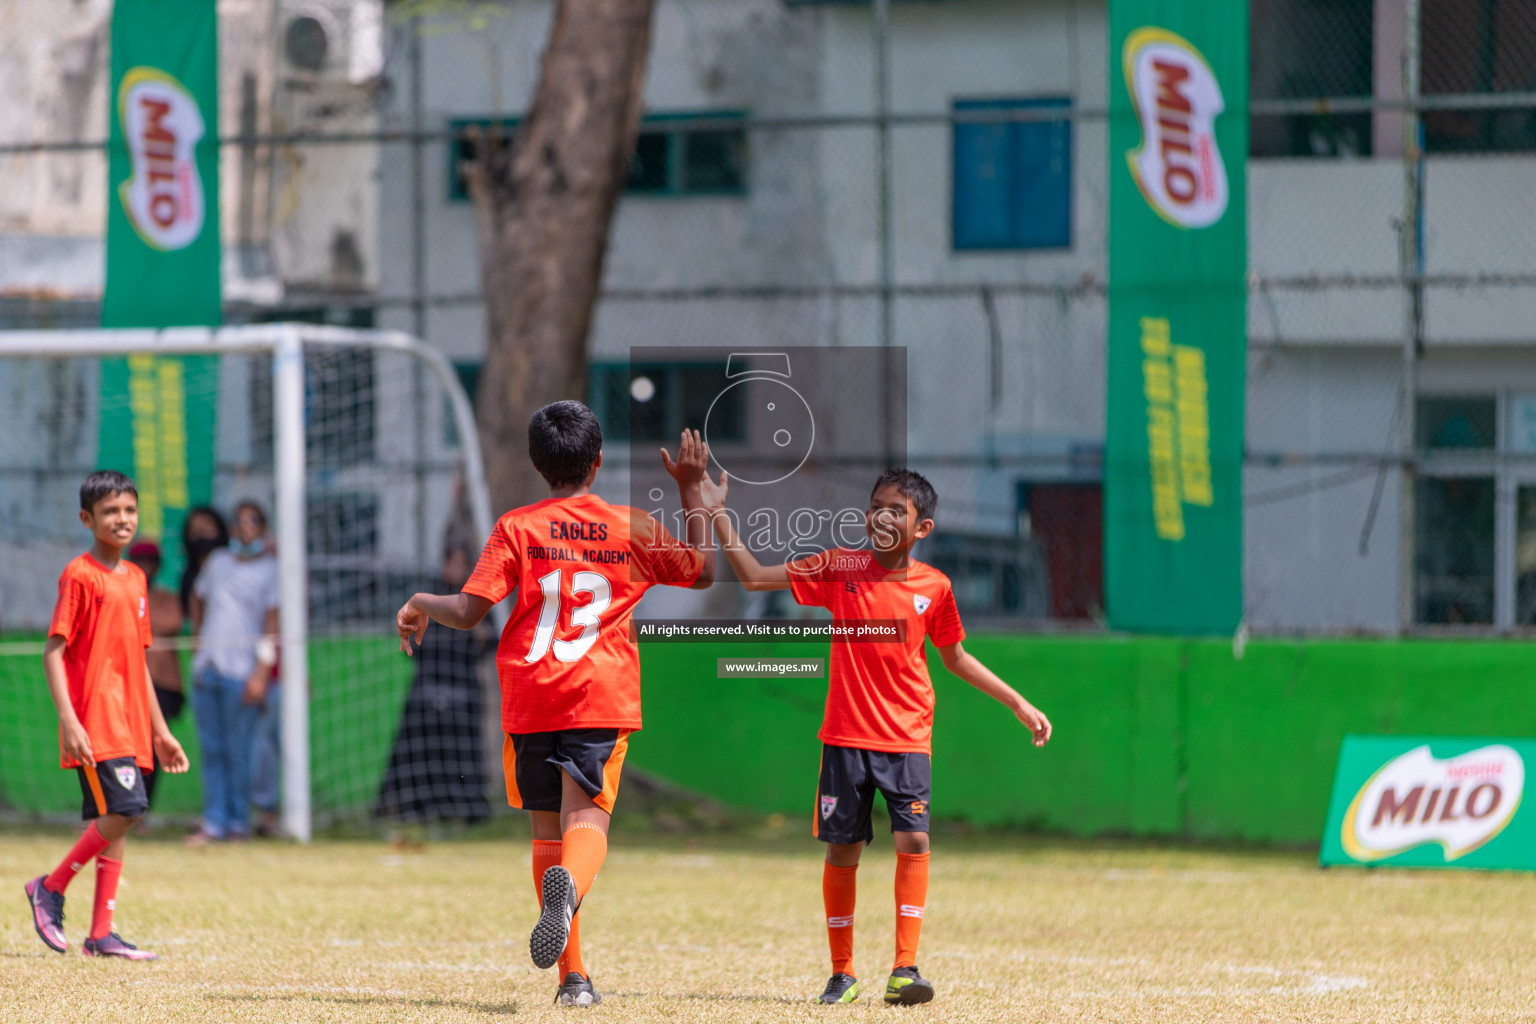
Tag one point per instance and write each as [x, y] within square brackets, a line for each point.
[359, 448]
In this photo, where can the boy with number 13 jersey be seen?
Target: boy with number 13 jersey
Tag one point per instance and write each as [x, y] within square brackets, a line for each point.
[569, 668]
[579, 565]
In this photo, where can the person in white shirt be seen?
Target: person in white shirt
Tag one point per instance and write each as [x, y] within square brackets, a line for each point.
[234, 613]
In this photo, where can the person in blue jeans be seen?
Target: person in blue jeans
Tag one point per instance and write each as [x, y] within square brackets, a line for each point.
[266, 761]
[234, 613]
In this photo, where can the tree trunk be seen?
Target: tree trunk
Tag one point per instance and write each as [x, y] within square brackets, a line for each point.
[543, 204]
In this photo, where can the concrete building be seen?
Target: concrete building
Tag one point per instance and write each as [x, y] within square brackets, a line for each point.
[770, 236]
[1328, 319]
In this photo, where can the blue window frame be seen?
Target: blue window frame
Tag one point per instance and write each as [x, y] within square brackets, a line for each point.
[692, 154]
[1012, 179]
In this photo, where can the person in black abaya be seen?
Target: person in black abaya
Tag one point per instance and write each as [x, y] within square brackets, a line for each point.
[436, 768]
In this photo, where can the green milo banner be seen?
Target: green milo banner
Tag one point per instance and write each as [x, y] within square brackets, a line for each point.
[1430, 802]
[1178, 139]
[158, 413]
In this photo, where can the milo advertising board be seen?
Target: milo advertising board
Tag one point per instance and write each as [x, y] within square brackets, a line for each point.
[1431, 802]
[1177, 349]
[163, 257]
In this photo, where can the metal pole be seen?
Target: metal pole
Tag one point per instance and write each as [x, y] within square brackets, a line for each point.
[1411, 264]
[418, 294]
[887, 258]
[293, 597]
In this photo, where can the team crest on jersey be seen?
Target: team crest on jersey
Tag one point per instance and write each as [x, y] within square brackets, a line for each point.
[828, 805]
[921, 603]
[141, 607]
[127, 775]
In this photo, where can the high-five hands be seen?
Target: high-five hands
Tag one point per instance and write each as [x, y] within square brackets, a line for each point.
[692, 460]
[713, 494]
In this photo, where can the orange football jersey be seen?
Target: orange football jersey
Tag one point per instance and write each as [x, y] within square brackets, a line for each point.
[579, 565]
[103, 617]
[879, 695]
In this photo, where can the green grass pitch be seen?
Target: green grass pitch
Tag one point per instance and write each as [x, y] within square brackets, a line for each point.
[729, 929]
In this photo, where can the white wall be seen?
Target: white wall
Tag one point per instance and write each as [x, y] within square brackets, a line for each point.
[1324, 372]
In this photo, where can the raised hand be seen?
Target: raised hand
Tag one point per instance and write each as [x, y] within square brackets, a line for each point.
[713, 494]
[692, 460]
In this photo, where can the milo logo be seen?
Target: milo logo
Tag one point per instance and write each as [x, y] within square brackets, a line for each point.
[163, 195]
[1415, 798]
[1177, 167]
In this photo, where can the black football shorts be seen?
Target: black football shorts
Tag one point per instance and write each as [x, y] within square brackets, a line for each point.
[846, 794]
[593, 758]
[114, 786]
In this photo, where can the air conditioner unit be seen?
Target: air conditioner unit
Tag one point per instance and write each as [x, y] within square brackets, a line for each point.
[332, 40]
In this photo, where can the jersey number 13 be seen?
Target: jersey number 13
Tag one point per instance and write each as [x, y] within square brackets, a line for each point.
[587, 616]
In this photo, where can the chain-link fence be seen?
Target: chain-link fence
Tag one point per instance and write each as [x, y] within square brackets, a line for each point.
[930, 176]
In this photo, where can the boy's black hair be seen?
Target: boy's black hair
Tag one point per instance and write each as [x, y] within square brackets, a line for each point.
[103, 484]
[564, 439]
[211, 513]
[914, 487]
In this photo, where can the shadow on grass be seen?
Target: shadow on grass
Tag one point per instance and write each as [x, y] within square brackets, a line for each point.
[360, 999]
[708, 998]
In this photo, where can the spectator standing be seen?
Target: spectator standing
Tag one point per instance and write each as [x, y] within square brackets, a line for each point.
[165, 623]
[436, 770]
[234, 612]
[267, 755]
[202, 533]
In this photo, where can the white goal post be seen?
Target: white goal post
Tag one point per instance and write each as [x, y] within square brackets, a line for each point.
[290, 405]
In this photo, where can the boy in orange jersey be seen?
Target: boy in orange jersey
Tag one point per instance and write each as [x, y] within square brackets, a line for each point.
[110, 725]
[570, 672]
[879, 716]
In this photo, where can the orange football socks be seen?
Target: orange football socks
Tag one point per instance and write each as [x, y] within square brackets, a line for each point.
[586, 845]
[546, 854]
[911, 897]
[838, 889]
[108, 871]
[87, 846]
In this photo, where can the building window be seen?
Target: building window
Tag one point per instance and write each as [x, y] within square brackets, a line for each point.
[1455, 510]
[469, 380]
[992, 577]
[1066, 522]
[1454, 550]
[1481, 47]
[1012, 179]
[1525, 556]
[1310, 49]
[1456, 423]
[655, 401]
[693, 154]
[690, 155]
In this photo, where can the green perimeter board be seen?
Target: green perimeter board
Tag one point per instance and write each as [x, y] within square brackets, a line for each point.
[1154, 736]
[357, 685]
